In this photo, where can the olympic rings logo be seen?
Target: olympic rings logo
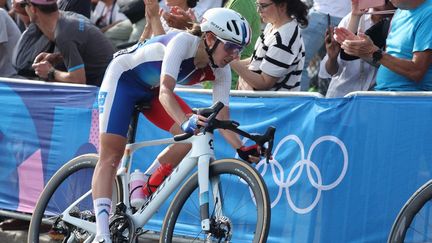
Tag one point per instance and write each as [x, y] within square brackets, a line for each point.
[298, 168]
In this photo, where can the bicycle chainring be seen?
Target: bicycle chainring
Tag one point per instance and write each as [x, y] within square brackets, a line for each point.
[122, 229]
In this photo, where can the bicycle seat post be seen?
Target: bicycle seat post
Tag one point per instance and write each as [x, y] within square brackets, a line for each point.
[138, 108]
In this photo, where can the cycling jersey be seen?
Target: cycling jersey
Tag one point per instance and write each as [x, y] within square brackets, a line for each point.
[134, 76]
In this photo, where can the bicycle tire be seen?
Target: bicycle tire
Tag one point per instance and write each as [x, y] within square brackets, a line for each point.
[224, 169]
[76, 170]
[412, 216]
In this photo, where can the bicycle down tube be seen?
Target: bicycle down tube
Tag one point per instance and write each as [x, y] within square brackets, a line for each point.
[201, 154]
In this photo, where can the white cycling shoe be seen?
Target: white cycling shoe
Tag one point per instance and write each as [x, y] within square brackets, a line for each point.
[102, 239]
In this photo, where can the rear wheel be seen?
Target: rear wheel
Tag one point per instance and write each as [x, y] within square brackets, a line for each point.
[414, 222]
[245, 213]
[68, 184]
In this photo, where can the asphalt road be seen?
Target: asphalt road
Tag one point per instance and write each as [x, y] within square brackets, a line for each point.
[18, 236]
[13, 236]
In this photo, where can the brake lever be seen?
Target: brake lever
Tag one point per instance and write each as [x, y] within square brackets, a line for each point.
[269, 135]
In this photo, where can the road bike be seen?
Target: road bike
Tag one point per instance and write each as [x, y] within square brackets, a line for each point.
[222, 201]
[413, 223]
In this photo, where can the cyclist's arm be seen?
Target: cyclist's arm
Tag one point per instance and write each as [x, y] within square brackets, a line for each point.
[176, 51]
[232, 138]
[221, 91]
[168, 101]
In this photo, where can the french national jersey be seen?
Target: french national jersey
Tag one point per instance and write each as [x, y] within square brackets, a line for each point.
[172, 54]
[133, 76]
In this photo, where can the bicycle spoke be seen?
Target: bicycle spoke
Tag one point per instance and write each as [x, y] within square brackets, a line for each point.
[239, 221]
[413, 223]
[69, 184]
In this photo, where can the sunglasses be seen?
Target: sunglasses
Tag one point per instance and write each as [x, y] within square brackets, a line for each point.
[23, 4]
[262, 6]
[230, 47]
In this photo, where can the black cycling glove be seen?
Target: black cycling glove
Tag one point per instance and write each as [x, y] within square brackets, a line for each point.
[244, 152]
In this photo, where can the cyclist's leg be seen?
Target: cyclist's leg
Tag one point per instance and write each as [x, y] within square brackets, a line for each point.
[117, 97]
[171, 156]
[160, 117]
[111, 150]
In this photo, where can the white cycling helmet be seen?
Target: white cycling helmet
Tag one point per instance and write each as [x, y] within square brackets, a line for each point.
[226, 24]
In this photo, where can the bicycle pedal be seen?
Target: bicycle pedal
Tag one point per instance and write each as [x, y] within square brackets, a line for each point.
[55, 235]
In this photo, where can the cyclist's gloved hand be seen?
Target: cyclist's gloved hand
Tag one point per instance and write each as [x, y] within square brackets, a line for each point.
[245, 152]
[190, 125]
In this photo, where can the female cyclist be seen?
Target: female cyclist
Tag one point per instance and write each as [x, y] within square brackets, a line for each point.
[150, 71]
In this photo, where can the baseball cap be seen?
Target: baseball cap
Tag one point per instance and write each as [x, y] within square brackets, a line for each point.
[40, 2]
[43, 2]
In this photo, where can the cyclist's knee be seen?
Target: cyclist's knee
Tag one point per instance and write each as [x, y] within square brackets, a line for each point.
[111, 160]
[174, 154]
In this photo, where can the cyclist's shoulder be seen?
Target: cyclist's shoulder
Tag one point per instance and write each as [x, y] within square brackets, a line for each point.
[179, 37]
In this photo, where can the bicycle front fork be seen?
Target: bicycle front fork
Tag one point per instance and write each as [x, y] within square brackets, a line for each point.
[203, 182]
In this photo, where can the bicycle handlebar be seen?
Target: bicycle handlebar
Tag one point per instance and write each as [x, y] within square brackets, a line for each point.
[213, 123]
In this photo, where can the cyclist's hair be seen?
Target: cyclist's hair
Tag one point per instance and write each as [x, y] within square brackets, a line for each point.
[46, 9]
[192, 3]
[195, 30]
[296, 9]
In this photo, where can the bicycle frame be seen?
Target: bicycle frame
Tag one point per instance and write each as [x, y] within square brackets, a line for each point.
[201, 154]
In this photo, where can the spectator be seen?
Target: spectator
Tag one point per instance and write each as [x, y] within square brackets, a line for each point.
[278, 58]
[247, 9]
[5, 4]
[180, 16]
[77, 6]
[19, 15]
[350, 73]
[113, 23]
[32, 41]
[406, 62]
[80, 46]
[106, 14]
[136, 21]
[202, 6]
[9, 35]
[317, 28]
[30, 44]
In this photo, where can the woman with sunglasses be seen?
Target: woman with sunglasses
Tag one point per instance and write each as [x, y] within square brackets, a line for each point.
[149, 72]
[278, 59]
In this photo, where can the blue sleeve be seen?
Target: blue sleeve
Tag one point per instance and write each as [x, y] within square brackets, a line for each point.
[423, 36]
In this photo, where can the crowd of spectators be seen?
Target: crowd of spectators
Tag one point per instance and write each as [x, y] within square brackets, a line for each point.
[350, 73]
[73, 40]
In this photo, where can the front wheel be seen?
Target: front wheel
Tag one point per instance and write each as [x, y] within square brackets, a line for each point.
[68, 184]
[243, 196]
[413, 223]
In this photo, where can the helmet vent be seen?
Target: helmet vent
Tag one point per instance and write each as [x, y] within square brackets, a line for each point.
[229, 26]
[235, 27]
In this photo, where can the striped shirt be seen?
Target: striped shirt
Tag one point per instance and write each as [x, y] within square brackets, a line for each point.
[280, 53]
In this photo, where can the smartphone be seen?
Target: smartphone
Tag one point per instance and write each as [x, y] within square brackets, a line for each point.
[329, 28]
[365, 4]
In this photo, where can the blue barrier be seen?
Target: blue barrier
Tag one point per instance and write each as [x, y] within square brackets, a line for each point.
[342, 168]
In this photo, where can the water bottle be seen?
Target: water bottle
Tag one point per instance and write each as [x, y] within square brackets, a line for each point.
[156, 179]
[137, 181]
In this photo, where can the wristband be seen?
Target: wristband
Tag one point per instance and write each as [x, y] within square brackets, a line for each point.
[51, 74]
[190, 125]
